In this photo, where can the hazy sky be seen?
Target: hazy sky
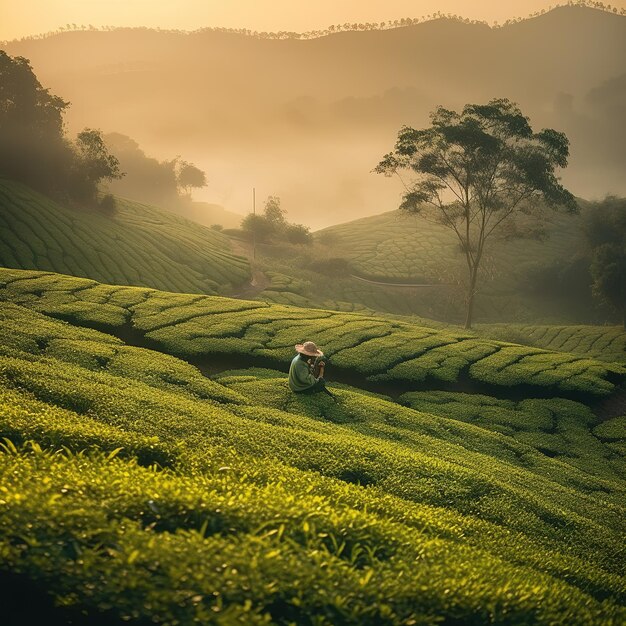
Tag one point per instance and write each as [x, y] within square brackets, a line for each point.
[30, 17]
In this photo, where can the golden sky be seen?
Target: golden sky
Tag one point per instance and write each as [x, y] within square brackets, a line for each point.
[30, 17]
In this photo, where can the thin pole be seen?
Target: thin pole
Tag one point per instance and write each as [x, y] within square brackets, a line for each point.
[254, 223]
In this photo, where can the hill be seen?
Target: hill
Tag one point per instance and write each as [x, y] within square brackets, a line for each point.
[137, 245]
[135, 489]
[402, 264]
[207, 214]
[372, 352]
[398, 248]
[281, 109]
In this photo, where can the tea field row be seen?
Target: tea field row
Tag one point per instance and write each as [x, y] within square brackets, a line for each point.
[136, 245]
[133, 487]
[377, 350]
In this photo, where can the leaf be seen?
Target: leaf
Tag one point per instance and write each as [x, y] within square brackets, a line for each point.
[132, 557]
[114, 453]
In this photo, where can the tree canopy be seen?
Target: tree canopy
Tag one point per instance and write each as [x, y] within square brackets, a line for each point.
[477, 171]
[189, 176]
[33, 145]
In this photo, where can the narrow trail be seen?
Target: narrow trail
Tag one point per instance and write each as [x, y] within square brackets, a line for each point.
[259, 281]
[402, 285]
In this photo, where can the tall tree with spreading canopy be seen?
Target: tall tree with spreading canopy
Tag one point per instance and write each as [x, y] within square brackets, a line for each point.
[32, 144]
[274, 213]
[476, 172]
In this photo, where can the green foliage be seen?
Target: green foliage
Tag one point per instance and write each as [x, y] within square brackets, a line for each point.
[555, 427]
[410, 249]
[613, 429]
[138, 245]
[248, 504]
[32, 145]
[604, 343]
[477, 171]
[377, 349]
[188, 176]
[94, 163]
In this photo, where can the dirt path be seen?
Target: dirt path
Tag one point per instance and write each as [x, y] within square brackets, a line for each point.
[405, 285]
[259, 280]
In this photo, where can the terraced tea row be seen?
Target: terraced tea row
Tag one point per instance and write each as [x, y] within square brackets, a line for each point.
[370, 349]
[399, 247]
[606, 343]
[555, 427]
[138, 245]
[274, 495]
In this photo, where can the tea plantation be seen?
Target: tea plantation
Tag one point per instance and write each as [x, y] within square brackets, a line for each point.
[133, 489]
[136, 245]
[396, 247]
[373, 352]
[606, 343]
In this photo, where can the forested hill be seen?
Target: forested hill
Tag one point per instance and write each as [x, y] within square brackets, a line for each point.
[136, 245]
[279, 109]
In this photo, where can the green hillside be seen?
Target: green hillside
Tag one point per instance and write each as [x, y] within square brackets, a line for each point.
[606, 343]
[370, 351]
[133, 489]
[137, 245]
[396, 248]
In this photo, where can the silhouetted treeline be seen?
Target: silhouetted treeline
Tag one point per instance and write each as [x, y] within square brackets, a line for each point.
[335, 28]
[165, 183]
[33, 146]
[591, 283]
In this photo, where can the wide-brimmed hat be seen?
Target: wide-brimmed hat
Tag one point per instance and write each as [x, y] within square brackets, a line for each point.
[308, 348]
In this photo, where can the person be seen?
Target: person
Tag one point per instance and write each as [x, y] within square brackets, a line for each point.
[306, 373]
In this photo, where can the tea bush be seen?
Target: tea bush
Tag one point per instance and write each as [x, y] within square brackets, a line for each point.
[605, 343]
[138, 245]
[379, 350]
[248, 504]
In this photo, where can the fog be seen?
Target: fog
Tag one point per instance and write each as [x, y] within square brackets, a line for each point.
[308, 120]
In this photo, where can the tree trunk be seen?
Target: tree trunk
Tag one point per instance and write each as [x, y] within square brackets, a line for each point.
[471, 293]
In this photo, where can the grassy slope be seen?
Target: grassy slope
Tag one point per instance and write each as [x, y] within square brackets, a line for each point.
[266, 506]
[374, 350]
[393, 247]
[398, 247]
[138, 245]
[607, 343]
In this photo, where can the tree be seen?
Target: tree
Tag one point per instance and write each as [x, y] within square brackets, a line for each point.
[147, 179]
[605, 228]
[94, 164]
[298, 234]
[32, 146]
[189, 176]
[477, 170]
[258, 226]
[274, 214]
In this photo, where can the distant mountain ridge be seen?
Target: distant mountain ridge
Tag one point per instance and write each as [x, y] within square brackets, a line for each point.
[308, 119]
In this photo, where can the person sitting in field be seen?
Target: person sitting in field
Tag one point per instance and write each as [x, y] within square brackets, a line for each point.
[306, 373]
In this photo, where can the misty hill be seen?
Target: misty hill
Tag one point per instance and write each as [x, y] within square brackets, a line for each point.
[406, 264]
[397, 247]
[308, 119]
[137, 245]
[154, 182]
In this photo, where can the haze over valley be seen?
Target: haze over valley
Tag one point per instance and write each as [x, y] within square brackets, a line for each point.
[308, 120]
